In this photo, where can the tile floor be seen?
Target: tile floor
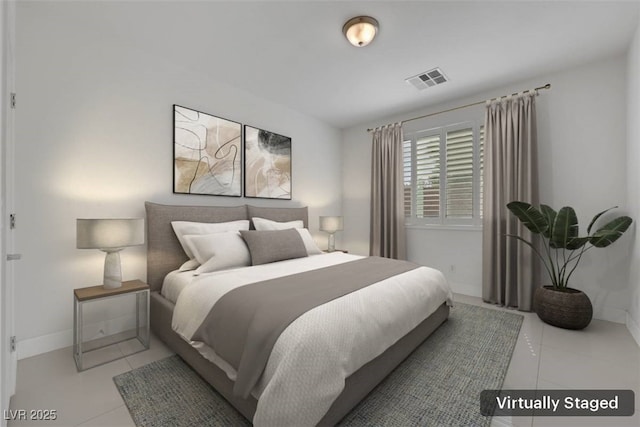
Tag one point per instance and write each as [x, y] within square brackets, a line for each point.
[602, 356]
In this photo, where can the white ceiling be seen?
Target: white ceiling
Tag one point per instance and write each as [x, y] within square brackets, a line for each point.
[294, 53]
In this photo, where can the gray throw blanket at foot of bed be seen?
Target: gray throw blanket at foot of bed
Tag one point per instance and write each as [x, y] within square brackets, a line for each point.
[244, 325]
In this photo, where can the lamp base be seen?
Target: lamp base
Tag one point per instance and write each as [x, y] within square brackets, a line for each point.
[112, 272]
[331, 247]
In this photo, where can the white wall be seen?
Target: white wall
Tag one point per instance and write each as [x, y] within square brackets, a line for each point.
[94, 139]
[582, 128]
[633, 179]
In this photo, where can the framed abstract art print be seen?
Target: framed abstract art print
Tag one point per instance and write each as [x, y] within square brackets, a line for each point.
[267, 164]
[207, 153]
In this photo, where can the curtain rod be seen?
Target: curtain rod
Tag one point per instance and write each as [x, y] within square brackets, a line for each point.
[547, 86]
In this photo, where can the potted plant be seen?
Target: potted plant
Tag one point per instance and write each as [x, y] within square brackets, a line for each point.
[561, 252]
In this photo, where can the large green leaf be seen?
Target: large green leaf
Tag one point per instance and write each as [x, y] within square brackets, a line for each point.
[565, 227]
[550, 215]
[577, 243]
[530, 216]
[595, 218]
[610, 232]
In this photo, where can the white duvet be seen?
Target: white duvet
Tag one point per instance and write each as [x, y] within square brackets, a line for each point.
[318, 351]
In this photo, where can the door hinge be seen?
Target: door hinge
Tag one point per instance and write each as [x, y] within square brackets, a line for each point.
[13, 100]
[12, 343]
[12, 221]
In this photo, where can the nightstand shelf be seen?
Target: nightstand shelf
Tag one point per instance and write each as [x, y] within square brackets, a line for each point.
[83, 296]
[337, 250]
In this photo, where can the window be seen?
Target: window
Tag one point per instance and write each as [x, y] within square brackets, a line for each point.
[443, 175]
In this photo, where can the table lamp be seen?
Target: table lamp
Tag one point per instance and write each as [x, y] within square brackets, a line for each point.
[110, 236]
[331, 224]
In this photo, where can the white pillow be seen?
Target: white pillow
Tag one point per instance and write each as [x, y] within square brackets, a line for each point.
[219, 251]
[309, 243]
[262, 224]
[192, 264]
[183, 228]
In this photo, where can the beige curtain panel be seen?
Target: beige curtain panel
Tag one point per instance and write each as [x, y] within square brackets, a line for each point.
[387, 236]
[510, 270]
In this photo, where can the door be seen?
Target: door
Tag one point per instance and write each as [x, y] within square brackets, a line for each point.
[8, 355]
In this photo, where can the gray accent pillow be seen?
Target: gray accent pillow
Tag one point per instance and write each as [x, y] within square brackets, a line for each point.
[273, 245]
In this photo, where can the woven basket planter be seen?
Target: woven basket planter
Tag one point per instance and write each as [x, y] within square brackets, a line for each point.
[568, 308]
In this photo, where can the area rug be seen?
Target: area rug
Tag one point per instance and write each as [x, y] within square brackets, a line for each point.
[439, 384]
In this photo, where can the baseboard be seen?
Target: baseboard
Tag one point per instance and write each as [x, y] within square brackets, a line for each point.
[634, 328]
[610, 314]
[464, 289]
[57, 340]
[45, 343]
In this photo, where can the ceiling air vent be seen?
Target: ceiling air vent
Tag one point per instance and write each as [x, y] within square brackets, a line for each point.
[427, 79]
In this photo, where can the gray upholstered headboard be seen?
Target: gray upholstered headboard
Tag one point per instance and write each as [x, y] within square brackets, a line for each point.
[164, 253]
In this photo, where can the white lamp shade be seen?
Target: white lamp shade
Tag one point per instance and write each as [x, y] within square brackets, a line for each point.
[109, 233]
[331, 224]
[360, 30]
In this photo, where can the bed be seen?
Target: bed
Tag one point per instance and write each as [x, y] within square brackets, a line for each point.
[166, 255]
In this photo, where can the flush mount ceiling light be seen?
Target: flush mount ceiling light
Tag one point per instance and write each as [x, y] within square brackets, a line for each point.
[360, 30]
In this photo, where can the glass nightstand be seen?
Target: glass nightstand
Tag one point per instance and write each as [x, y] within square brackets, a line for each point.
[82, 296]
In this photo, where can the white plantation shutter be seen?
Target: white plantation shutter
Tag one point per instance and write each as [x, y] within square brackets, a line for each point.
[428, 177]
[443, 175]
[459, 172]
[481, 169]
[406, 159]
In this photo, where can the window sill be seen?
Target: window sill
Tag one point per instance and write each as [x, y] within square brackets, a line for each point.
[450, 227]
